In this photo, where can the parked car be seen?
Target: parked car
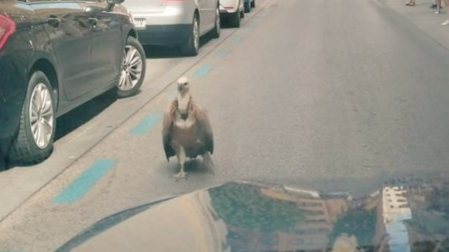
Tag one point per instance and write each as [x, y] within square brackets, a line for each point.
[175, 23]
[249, 4]
[232, 11]
[54, 56]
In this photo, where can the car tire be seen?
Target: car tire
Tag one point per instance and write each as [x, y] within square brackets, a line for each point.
[216, 31]
[34, 140]
[253, 4]
[235, 19]
[248, 6]
[192, 45]
[133, 69]
[242, 13]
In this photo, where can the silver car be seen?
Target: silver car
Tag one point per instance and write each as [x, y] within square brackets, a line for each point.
[232, 11]
[175, 22]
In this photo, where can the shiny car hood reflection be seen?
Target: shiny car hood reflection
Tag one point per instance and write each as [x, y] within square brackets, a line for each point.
[403, 215]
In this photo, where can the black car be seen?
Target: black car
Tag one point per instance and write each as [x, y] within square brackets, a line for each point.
[54, 56]
[402, 215]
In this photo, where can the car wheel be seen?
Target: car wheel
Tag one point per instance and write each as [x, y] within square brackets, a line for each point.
[216, 30]
[234, 20]
[133, 69]
[253, 4]
[192, 45]
[248, 6]
[35, 136]
[242, 13]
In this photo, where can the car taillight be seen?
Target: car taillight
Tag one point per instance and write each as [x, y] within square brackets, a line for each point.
[7, 27]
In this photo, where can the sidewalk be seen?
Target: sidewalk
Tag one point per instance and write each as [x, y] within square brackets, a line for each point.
[423, 17]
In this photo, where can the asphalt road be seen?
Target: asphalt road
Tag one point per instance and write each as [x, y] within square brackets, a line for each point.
[334, 95]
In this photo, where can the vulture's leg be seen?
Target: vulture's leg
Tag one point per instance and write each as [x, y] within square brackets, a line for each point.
[181, 155]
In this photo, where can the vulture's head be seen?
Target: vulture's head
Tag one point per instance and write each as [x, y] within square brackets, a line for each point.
[183, 85]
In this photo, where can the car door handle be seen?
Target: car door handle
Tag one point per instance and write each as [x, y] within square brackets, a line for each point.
[93, 21]
[54, 21]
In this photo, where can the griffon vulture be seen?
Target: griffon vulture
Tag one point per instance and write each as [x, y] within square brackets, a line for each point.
[186, 130]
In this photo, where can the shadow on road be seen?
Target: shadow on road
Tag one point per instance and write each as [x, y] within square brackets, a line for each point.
[83, 114]
[164, 52]
[161, 52]
[193, 167]
[2, 160]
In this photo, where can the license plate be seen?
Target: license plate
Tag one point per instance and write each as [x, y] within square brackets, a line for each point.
[140, 23]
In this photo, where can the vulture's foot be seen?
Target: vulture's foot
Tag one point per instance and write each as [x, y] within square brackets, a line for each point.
[180, 175]
[207, 160]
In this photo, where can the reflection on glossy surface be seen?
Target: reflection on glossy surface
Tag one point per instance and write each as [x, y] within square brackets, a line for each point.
[404, 215]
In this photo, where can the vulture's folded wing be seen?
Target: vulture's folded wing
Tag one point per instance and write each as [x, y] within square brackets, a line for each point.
[206, 128]
[167, 124]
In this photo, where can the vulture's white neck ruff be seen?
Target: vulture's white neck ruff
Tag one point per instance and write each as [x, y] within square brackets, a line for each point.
[183, 102]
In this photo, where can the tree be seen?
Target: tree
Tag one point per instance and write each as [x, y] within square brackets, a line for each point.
[242, 205]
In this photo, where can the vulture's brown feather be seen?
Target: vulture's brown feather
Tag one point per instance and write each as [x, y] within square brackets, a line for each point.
[167, 124]
[206, 128]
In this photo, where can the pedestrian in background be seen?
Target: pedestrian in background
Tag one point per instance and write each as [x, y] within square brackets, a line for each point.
[438, 6]
[446, 2]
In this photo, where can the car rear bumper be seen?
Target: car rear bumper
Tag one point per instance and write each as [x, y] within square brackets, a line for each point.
[177, 12]
[12, 95]
[230, 7]
[164, 34]
[228, 12]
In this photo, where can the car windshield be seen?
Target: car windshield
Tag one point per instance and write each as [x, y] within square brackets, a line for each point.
[111, 105]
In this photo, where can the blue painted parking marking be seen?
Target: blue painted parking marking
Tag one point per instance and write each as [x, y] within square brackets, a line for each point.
[146, 124]
[202, 71]
[237, 39]
[223, 52]
[85, 181]
[247, 29]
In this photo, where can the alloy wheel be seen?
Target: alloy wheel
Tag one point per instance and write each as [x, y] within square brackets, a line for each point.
[196, 35]
[131, 68]
[41, 115]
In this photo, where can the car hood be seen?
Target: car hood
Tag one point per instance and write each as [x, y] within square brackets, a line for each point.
[403, 215]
